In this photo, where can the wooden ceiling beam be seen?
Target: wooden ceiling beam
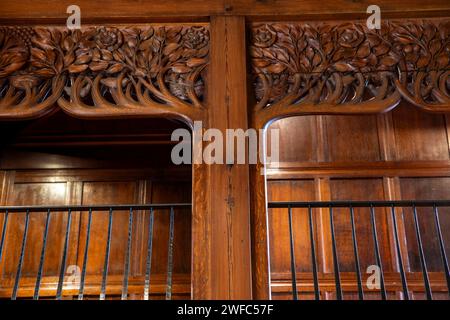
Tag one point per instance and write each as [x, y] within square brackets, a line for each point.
[53, 11]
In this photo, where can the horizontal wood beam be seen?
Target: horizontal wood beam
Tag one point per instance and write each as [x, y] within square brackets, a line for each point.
[281, 282]
[143, 10]
[300, 170]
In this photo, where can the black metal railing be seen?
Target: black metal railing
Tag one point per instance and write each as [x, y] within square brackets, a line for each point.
[150, 209]
[348, 207]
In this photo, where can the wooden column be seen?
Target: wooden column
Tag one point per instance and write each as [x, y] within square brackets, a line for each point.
[221, 222]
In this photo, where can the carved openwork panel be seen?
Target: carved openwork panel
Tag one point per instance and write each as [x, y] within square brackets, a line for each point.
[103, 71]
[347, 68]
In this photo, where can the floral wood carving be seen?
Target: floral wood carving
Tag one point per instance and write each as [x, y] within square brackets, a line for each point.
[306, 68]
[103, 71]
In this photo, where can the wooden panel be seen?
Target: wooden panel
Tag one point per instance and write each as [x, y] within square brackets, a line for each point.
[36, 194]
[419, 135]
[426, 188]
[300, 190]
[96, 193]
[300, 134]
[360, 189]
[352, 138]
[165, 192]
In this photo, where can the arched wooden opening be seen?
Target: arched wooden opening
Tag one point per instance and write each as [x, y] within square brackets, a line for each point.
[396, 156]
[338, 68]
[62, 161]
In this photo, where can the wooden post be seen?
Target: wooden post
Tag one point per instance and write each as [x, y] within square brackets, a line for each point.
[221, 221]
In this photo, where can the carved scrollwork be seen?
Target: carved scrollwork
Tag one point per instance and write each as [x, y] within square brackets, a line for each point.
[103, 71]
[348, 68]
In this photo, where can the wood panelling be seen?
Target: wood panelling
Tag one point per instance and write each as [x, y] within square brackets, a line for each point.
[360, 130]
[300, 190]
[301, 139]
[426, 188]
[419, 135]
[50, 177]
[97, 193]
[35, 194]
[360, 189]
[166, 192]
[401, 155]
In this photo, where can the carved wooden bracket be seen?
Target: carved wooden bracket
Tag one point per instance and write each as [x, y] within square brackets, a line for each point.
[103, 71]
[346, 68]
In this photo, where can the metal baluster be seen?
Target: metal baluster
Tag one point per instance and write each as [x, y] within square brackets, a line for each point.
[2, 241]
[399, 255]
[422, 256]
[85, 259]
[313, 255]
[355, 251]
[377, 252]
[170, 255]
[442, 247]
[64, 257]
[41, 262]
[337, 277]
[22, 253]
[293, 266]
[127, 257]
[106, 265]
[149, 256]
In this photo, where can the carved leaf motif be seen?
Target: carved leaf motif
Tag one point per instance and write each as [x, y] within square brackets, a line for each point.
[346, 62]
[158, 65]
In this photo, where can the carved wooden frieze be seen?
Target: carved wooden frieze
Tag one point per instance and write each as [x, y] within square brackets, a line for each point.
[103, 71]
[301, 68]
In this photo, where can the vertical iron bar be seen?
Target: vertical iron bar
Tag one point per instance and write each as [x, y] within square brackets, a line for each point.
[337, 276]
[399, 255]
[41, 262]
[442, 247]
[355, 251]
[149, 255]
[64, 257]
[127, 257]
[313, 255]
[106, 265]
[293, 266]
[170, 255]
[377, 252]
[22, 253]
[422, 256]
[2, 241]
[85, 259]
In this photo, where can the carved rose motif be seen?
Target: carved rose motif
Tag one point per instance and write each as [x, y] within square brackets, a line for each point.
[108, 38]
[195, 38]
[264, 36]
[350, 37]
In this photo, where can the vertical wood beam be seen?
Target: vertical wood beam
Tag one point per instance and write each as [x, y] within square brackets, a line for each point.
[221, 230]
[260, 231]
